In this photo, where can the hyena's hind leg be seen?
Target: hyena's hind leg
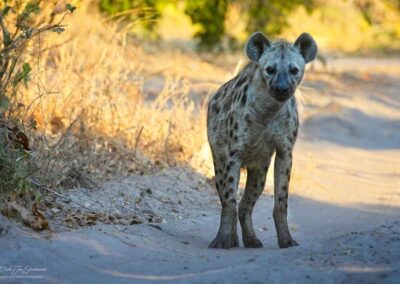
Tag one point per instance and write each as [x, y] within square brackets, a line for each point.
[227, 173]
[254, 187]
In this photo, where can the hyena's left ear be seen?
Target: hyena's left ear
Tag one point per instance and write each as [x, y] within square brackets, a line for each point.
[256, 45]
[307, 46]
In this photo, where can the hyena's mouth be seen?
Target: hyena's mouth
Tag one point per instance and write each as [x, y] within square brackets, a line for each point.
[282, 97]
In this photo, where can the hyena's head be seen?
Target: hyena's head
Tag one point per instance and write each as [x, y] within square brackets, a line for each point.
[281, 64]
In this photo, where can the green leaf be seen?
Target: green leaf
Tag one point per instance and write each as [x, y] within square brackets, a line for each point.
[58, 30]
[22, 75]
[4, 103]
[26, 14]
[32, 8]
[70, 8]
[5, 11]
[26, 69]
[7, 38]
[33, 124]
[37, 195]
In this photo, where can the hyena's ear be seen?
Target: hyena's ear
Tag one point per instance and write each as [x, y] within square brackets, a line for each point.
[307, 46]
[256, 45]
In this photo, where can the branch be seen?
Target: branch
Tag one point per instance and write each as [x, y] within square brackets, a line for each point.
[59, 194]
[27, 35]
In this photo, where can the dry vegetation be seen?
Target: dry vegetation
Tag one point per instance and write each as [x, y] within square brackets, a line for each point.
[94, 116]
[101, 103]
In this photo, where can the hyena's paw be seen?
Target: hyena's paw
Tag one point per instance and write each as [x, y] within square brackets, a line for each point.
[253, 242]
[287, 242]
[225, 241]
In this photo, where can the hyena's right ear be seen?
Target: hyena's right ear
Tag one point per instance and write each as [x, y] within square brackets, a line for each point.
[307, 47]
[256, 45]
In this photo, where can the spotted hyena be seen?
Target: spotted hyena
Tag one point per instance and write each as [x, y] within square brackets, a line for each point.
[249, 118]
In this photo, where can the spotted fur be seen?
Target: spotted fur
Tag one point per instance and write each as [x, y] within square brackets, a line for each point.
[250, 118]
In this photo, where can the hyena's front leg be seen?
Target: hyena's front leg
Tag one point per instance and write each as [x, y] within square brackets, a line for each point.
[283, 166]
[227, 176]
[254, 187]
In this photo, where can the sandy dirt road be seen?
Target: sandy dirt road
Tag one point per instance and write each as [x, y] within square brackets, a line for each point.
[344, 209]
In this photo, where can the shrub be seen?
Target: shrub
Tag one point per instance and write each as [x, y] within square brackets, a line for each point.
[21, 22]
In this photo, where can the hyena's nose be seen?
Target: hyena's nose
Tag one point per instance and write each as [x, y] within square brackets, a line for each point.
[282, 90]
[282, 85]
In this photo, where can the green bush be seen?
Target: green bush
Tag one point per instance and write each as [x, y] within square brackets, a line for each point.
[273, 17]
[270, 16]
[143, 12]
[14, 165]
[18, 26]
[210, 16]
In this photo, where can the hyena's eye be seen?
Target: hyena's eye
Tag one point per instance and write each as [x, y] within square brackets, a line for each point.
[294, 70]
[270, 70]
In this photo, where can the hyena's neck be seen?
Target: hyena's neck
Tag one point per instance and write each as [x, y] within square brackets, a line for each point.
[263, 106]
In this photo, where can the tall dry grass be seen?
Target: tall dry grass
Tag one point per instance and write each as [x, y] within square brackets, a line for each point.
[95, 119]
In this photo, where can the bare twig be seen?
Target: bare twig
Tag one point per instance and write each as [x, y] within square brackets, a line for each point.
[27, 35]
[137, 140]
[59, 194]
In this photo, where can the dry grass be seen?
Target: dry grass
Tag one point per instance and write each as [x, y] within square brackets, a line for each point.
[107, 104]
[94, 116]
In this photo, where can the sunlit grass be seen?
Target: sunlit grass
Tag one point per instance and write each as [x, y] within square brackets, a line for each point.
[93, 113]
